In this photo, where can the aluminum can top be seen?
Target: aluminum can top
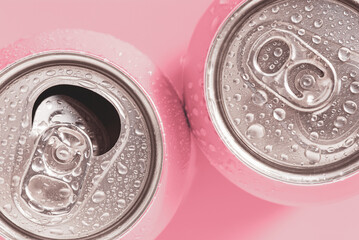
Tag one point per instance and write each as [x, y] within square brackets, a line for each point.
[282, 88]
[81, 148]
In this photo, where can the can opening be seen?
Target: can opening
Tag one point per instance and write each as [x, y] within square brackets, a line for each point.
[106, 114]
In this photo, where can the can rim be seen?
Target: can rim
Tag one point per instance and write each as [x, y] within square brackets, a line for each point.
[236, 146]
[144, 102]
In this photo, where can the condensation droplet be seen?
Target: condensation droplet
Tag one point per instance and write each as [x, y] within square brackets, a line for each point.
[340, 122]
[301, 32]
[237, 97]
[24, 89]
[313, 136]
[316, 39]
[15, 181]
[296, 18]
[122, 169]
[255, 131]
[121, 203]
[259, 98]
[279, 114]
[12, 117]
[38, 165]
[98, 196]
[354, 87]
[318, 23]
[344, 54]
[275, 9]
[313, 154]
[350, 107]
[309, 8]
[249, 117]
[268, 148]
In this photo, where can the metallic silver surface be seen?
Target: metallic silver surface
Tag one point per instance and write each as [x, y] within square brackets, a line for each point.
[282, 88]
[63, 174]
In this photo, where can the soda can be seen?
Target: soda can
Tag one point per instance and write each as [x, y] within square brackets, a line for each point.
[94, 140]
[271, 92]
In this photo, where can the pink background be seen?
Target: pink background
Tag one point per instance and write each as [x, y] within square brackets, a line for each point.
[214, 209]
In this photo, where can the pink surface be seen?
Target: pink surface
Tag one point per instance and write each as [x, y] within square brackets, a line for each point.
[215, 208]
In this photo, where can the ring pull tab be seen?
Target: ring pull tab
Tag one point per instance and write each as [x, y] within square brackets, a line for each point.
[292, 70]
[68, 137]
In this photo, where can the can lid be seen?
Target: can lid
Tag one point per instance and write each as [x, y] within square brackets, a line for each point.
[282, 88]
[81, 148]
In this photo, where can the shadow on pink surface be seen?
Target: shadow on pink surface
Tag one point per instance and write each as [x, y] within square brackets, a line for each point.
[217, 209]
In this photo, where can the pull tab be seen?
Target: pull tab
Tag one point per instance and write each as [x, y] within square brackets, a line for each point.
[68, 137]
[292, 70]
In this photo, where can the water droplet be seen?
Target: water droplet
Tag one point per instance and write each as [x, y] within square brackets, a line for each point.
[262, 17]
[90, 211]
[316, 39]
[22, 139]
[268, 148]
[344, 54]
[349, 142]
[104, 165]
[249, 117]
[313, 154]
[25, 122]
[137, 184]
[77, 172]
[279, 114]
[296, 18]
[12, 117]
[350, 107]
[24, 89]
[75, 185]
[301, 32]
[38, 165]
[259, 98]
[15, 181]
[226, 88]
[284, 157]
[318, 23]
[309, 8]
[122, 169]
[98, 196]
[245, 77]
[340, 122]
[139, 132]
[275, 9]
[313, 136]
[255, 131]
[51, 73]
[7, 208]
[237, 97]
[121, 203]
[294, 147]
[354, 87]
[104, 216]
